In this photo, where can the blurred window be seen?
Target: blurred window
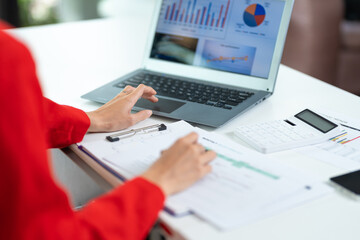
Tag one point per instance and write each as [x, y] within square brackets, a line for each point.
[38, 12]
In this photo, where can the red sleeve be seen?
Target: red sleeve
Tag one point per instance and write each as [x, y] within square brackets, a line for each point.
[65, 125]
[4, 25]
[141, 197]
[32, 206]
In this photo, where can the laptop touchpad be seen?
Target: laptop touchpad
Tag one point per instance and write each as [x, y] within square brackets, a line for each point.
[163, 105]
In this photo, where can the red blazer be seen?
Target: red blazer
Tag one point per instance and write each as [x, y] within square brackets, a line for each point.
[32, 205]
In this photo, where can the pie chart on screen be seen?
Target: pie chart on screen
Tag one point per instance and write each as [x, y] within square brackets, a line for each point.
[254, 15]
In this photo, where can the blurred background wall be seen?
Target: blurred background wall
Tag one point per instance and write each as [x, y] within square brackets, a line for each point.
[323, 39]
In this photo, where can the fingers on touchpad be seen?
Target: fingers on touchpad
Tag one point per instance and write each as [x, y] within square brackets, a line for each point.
[163, 105]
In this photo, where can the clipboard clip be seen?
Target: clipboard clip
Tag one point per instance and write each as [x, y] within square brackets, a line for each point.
[129, 133]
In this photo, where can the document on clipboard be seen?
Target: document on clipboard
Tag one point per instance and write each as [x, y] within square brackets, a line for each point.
[243, 187]
[98, 145]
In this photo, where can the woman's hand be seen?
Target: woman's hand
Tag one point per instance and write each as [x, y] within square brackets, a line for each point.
[116, 114]
[181, 165]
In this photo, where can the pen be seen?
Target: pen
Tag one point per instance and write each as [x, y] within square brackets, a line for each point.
[129, 133]
[350, 127]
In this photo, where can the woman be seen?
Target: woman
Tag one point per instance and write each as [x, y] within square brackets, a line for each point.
[32, 206]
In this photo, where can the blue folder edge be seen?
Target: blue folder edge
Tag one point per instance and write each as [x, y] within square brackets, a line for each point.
[116, 174]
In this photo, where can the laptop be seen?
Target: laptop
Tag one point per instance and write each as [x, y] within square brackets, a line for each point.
[209, 60]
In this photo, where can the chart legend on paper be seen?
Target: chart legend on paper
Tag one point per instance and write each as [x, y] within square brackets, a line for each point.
[343, 150]
[254, 15]
[344, 138]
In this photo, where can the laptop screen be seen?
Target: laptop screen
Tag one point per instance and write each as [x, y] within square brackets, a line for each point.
[237, 36]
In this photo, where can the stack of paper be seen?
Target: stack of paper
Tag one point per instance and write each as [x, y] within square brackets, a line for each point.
[244, 185]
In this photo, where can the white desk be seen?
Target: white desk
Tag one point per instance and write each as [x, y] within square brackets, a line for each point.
[78, 57]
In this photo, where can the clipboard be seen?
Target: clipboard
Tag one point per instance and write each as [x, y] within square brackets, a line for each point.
[112, 176]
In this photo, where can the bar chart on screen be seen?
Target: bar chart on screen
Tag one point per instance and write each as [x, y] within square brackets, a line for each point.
[198, 16]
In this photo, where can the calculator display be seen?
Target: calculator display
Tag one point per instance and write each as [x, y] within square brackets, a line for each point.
[316, 121]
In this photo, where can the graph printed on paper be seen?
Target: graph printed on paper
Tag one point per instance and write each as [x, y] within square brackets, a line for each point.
[346, 144]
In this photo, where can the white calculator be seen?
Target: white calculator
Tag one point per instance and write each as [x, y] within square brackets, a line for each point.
[305, 128]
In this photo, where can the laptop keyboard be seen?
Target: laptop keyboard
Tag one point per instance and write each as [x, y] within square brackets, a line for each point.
[194, 92]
